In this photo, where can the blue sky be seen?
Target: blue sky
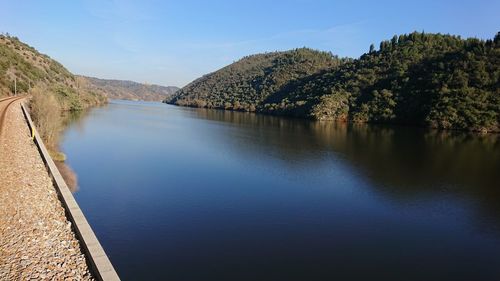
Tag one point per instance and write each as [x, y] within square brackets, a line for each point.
[174, 42]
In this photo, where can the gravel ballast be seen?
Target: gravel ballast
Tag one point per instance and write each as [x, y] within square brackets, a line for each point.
[36, 239]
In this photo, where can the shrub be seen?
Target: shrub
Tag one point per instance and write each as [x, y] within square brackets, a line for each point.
[45, 111]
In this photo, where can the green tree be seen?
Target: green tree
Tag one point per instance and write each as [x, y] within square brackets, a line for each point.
[372, 48]
[422, 79]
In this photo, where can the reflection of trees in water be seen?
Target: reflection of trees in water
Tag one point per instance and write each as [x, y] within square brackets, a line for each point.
[73, 119]
[69, 176]
[403, 162]
[69, 118]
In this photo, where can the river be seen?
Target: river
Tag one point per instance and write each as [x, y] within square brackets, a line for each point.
[179, 193]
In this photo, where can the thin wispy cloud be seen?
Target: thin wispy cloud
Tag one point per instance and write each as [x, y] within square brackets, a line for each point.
[336, 36]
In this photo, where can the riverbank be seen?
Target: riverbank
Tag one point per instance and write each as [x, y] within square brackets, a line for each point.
[48, 112]
[284, 114]
[36, 237]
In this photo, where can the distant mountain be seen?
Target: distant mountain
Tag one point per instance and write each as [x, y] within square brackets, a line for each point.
[433, 80]
[128, 90]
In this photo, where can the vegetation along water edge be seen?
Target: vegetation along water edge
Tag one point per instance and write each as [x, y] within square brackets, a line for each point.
[423, 79]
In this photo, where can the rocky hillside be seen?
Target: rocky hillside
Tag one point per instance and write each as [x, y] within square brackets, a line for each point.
[433, 80]
[30, 69]
[128, 90]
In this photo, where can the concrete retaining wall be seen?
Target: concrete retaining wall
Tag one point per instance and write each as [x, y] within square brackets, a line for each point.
[97, 260]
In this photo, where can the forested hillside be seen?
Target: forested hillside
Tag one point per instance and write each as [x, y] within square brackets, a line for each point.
[128, 90]
[24, 68]
[51, 90]
[245, 84]
[433, 80]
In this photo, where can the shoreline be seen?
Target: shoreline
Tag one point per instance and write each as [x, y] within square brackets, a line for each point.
[404, 125]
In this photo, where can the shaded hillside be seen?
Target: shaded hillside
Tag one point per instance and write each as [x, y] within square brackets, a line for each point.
[422, 79]
[244, 84]
[33, 70]
[128, 90]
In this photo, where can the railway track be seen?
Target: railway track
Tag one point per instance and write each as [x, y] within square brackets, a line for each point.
[4, 106]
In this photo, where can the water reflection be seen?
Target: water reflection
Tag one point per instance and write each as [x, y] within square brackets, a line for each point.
[193, 194]
[76, 119]
[67, 119]
[403, 162]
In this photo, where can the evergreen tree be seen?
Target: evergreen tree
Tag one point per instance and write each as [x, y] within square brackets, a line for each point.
[372, 48]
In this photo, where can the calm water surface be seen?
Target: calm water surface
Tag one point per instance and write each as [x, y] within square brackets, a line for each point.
[191, 194]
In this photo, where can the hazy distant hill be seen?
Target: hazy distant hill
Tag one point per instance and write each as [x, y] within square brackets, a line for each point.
[433, 80]
[129, 90]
